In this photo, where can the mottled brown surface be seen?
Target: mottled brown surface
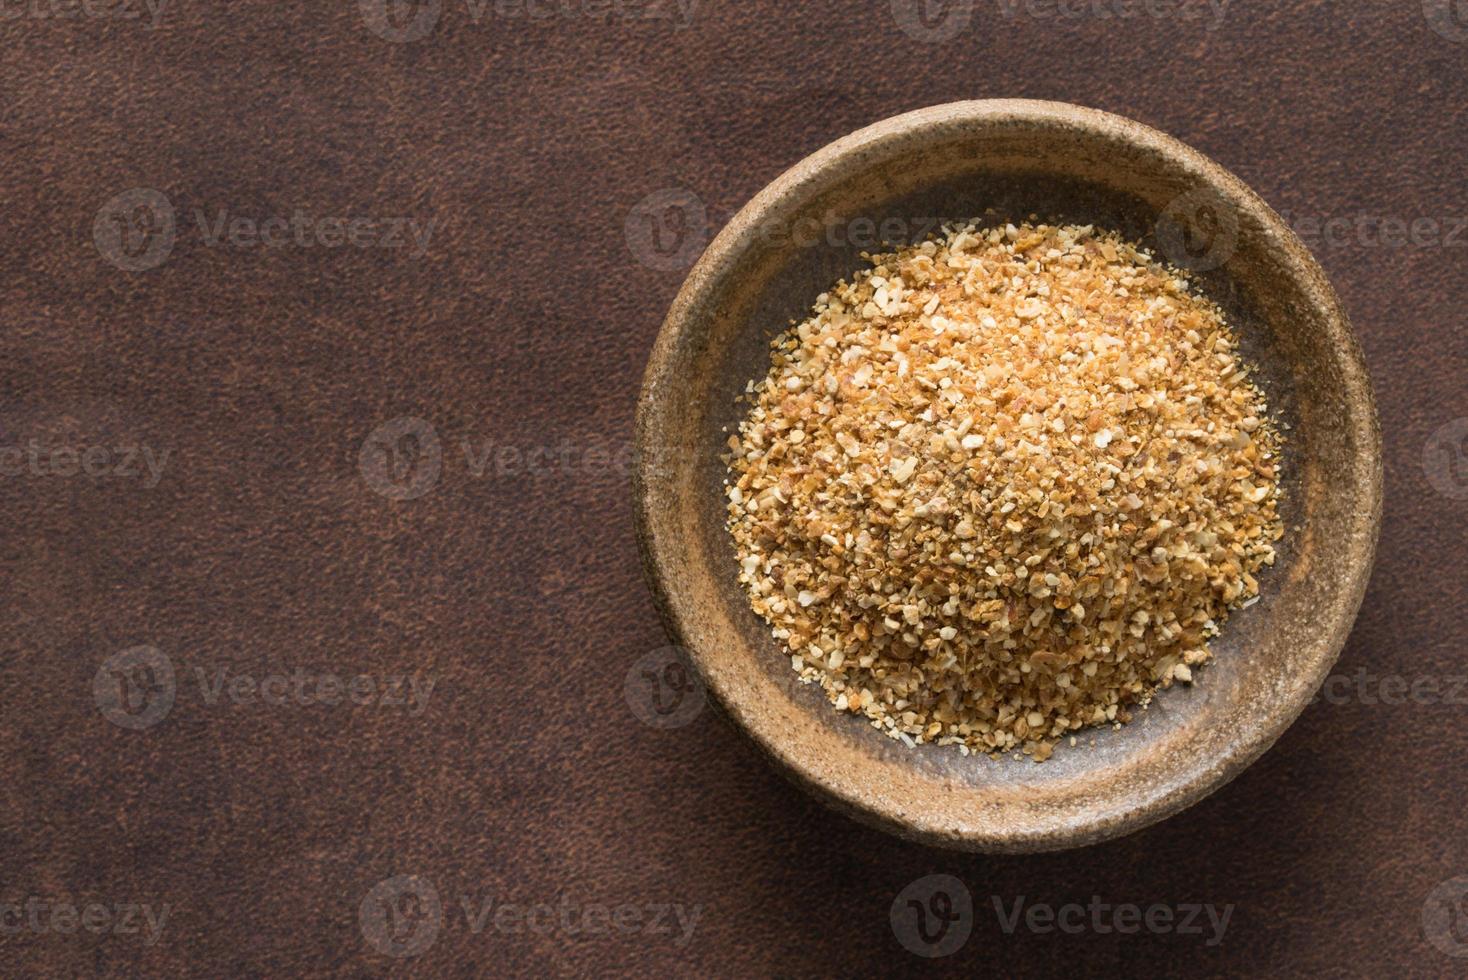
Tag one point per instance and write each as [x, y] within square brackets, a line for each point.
[263, 549]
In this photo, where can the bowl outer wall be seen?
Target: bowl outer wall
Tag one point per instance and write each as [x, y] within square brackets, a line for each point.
[922, 807]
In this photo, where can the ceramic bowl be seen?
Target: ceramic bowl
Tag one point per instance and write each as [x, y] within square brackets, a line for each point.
[1003, 160]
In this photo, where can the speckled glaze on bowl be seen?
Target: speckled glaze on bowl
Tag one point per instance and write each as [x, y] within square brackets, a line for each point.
[1012, 159]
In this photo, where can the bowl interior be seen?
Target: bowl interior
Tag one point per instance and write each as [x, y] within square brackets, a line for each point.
[1009, 161]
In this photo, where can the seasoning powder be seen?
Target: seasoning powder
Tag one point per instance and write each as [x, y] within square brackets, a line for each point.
[1003, 485]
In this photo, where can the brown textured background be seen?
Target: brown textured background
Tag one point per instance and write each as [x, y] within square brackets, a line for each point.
[526, 324]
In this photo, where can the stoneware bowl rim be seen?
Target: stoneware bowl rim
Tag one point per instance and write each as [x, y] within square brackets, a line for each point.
[674, 598]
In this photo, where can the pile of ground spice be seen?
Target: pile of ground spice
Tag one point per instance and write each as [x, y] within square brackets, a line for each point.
[1003, 485]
